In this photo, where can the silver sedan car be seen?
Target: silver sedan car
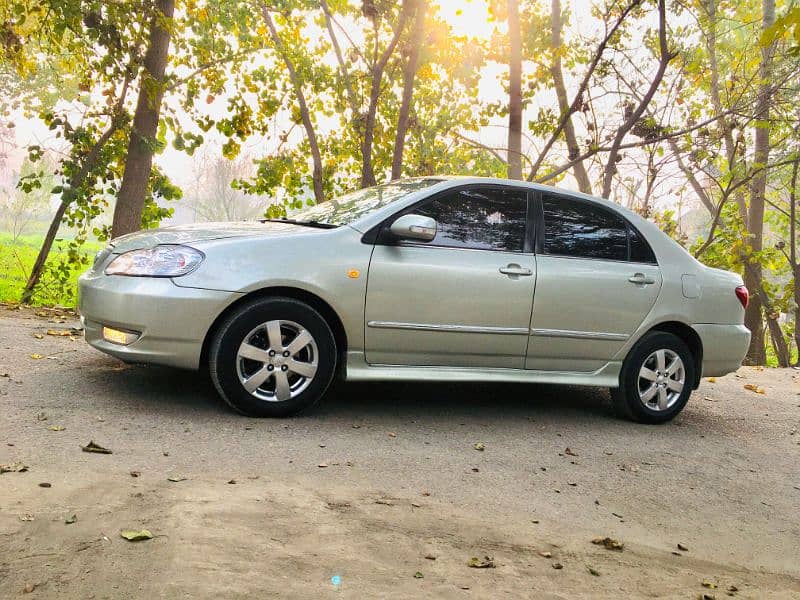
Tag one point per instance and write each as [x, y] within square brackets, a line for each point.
[429, 279]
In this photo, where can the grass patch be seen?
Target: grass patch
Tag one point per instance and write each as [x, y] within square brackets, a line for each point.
[16, 260]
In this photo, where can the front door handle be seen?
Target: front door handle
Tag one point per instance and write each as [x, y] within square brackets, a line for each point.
[641, 279]
[515, 270]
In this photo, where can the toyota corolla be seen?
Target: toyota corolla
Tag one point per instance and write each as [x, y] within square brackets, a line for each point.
[430, 279]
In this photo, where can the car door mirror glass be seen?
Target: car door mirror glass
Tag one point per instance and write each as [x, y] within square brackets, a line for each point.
[414, 227]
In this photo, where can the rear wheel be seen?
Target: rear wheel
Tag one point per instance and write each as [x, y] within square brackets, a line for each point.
[656, 379]
[272, 357]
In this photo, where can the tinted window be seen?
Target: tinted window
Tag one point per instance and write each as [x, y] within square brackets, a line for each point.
[640, 249]
[487, 219]
[573, 228]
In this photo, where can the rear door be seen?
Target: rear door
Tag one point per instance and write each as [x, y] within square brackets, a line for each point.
[464, 298]
[597, 280]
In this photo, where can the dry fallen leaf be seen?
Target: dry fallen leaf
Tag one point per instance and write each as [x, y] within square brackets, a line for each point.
[487, 562]
[609, 543]
[38, 336]
[97, 448]
[71, 519]
[37, 356]
[16, 467]
[136, 536]
[712, 380]
[754, 388]
[709, 584]
[480, 446]
[62, 332]
[56, 428]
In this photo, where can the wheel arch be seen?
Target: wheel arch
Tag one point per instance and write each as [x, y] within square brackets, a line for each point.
[689, 337]
[313, 300]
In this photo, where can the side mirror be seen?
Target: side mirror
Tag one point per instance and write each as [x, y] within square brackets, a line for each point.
[414, 227]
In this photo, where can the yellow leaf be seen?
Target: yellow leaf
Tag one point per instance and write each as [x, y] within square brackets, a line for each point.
[37, 356]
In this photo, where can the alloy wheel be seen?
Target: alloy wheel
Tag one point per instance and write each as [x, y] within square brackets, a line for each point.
[661, 380]
[277, 360]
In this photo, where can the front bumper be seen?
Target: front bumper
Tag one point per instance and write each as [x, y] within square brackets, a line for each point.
[724, 347]
[173, 321]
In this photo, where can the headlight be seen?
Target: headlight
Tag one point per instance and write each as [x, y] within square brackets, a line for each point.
[161, 261]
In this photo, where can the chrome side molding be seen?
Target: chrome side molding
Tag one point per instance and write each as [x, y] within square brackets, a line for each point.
[448, 328]
[563, 333]
[580, 335]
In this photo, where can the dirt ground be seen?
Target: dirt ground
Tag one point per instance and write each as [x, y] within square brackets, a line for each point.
[380, 492]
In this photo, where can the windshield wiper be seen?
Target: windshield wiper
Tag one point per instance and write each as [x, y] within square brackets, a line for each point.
[316, 224]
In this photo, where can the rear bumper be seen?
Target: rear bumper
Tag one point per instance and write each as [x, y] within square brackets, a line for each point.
[724, 347]
[172, 321]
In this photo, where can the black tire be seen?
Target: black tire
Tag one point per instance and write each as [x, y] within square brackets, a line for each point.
[225, 365]
[626, 398]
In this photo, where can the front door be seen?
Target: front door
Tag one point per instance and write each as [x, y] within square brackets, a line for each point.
[597, 280]
[464, 298]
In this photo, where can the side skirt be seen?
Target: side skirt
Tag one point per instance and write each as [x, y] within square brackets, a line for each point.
[359, 370]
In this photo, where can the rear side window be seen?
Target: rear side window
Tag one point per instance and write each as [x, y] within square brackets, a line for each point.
[582, 230]
[640, 249]
[479, 218]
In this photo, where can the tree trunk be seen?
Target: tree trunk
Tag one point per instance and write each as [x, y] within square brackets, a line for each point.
[514, 93]
[577, 100]
[135, 179]
[367, 168]
[778, 341]
[44, 252]
[573, 148]
[68, 195]
[305, 114]
[756, 354]
[793, 256]
[409, 73]
[665, 56]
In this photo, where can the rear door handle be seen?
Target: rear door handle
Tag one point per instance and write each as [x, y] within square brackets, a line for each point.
[641, 279]
[516, 270]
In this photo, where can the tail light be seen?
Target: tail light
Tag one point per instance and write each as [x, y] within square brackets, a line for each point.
[743, 295]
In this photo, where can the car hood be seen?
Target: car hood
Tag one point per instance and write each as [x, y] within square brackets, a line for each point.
[199, 232]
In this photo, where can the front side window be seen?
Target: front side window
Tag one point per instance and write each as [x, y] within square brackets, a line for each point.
[482, 219]
[579, 229]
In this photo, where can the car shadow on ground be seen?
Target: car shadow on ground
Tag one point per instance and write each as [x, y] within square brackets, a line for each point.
[176, 391]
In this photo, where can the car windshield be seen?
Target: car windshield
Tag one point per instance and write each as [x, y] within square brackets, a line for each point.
[346, 209]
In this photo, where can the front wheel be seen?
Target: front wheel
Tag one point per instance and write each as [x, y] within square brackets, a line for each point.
[656, 379]
[272, 357]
